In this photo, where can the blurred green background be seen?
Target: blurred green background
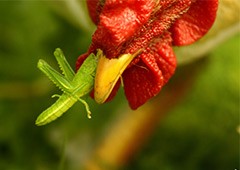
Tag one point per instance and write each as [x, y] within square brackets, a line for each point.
[200, 133]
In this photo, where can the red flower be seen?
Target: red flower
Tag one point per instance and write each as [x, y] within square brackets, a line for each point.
[154, 26]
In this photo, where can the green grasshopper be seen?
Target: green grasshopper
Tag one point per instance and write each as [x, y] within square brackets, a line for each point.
[74, 86]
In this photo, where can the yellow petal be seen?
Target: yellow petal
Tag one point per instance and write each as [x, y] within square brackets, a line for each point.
[107, 74]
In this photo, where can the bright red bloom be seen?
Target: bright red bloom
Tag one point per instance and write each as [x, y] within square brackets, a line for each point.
[154, 26]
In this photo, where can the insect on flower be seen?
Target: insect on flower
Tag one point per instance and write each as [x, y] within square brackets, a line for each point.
[133, 43]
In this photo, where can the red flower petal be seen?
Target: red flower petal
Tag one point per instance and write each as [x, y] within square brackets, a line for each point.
[145, 79]
[164, 56]
[119, 20]
[140, 84]
[159, 23]
[195, 23]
